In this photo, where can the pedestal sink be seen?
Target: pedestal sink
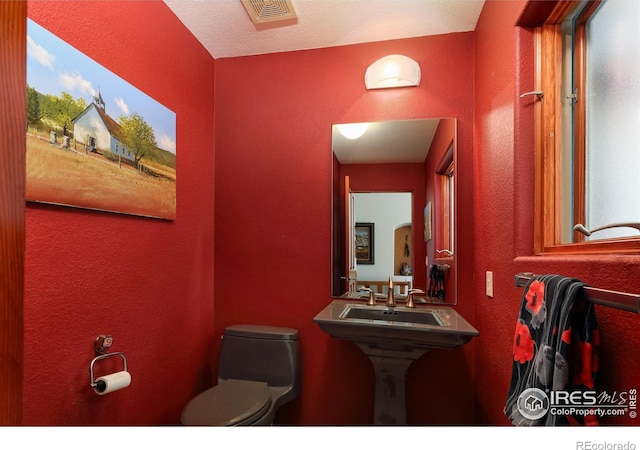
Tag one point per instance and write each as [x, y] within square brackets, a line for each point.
[392, 338]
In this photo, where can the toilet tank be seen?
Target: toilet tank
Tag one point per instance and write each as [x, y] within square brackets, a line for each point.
[261, 353]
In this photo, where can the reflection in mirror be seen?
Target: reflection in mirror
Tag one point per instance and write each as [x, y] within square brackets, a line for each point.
[377, 167]
[383, 240]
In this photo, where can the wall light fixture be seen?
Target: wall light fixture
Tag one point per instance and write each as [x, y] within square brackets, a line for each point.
[353, 130]
[392, 71]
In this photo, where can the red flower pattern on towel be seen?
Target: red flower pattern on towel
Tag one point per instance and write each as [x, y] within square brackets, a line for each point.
[535, 296]
[523, 348]
[566, 336]
[582, 364]
[535, 304]
[555, 346]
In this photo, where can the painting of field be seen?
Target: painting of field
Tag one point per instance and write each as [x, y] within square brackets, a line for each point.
[66, 177]
[111, 148]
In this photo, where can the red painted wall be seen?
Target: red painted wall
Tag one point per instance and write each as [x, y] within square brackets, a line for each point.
[444, 138]
[503, 186]
[272, 225]
[273, 210]
[147, 282]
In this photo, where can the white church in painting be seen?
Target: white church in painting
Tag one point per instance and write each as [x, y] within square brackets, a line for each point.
[98, 131]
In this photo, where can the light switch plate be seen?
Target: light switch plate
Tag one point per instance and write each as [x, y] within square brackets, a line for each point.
[489, 283]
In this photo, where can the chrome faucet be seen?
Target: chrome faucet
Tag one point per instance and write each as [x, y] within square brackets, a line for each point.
[391, 301]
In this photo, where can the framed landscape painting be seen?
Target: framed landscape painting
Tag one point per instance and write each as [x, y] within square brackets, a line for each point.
[93, 140]
[364, 242]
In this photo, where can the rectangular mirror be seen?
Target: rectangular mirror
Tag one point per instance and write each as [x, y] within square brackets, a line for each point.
[394, 183]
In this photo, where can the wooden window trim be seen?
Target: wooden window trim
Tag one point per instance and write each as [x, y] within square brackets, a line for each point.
[580, 119]
[580, 129]
[444, 173]
[445, 207]
[547, 233]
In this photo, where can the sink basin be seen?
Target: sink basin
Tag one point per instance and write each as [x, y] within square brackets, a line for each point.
[423, 327]
[393, 315]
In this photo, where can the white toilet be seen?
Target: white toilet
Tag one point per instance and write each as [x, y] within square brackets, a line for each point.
[258, 371]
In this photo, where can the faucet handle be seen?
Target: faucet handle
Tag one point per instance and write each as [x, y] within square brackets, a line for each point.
[410, 303]
[372, 296]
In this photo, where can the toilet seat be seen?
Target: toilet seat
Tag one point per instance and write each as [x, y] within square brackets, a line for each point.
[232, 402]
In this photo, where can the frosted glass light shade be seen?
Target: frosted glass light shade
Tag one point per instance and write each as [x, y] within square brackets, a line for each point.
[392, 71]
[353, 130]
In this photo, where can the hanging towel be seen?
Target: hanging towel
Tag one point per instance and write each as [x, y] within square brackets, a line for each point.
[436, 282]
[555, 349]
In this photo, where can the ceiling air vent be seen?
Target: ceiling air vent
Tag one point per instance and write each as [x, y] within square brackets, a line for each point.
[264, 11]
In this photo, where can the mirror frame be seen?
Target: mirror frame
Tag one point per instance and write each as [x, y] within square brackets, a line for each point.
[447, 139]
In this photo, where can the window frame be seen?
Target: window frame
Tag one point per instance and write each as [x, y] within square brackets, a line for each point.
[548, 139]
[445, 175]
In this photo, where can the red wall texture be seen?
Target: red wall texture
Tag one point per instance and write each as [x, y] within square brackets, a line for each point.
[147, 282]
[504, 165]
[150, 283]
[273, 210]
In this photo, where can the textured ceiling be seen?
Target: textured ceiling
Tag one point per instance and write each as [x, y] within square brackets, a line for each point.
[225, 29]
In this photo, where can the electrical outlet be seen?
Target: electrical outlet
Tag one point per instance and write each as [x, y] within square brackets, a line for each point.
[489, 284]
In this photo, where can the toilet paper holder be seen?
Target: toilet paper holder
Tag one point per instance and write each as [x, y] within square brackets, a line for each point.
[105, 356]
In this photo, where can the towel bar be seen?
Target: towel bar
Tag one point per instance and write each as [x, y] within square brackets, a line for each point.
[613, 299]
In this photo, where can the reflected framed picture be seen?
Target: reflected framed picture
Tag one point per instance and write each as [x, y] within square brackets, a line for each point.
[364, 239]
[427, 222]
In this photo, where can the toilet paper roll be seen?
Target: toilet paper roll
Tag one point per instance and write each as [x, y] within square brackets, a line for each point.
[113, 382]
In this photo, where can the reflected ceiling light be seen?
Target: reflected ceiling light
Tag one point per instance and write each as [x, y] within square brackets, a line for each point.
[392, 71]
[353, 130]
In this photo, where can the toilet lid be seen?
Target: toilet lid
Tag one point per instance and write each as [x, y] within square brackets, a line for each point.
[232, 402]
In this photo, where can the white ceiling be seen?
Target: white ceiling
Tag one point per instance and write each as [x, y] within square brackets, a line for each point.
[225, 29]
[393, 141]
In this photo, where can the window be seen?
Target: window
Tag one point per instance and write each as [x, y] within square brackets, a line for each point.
[588, 127]
[448, 207]
[446, 203]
